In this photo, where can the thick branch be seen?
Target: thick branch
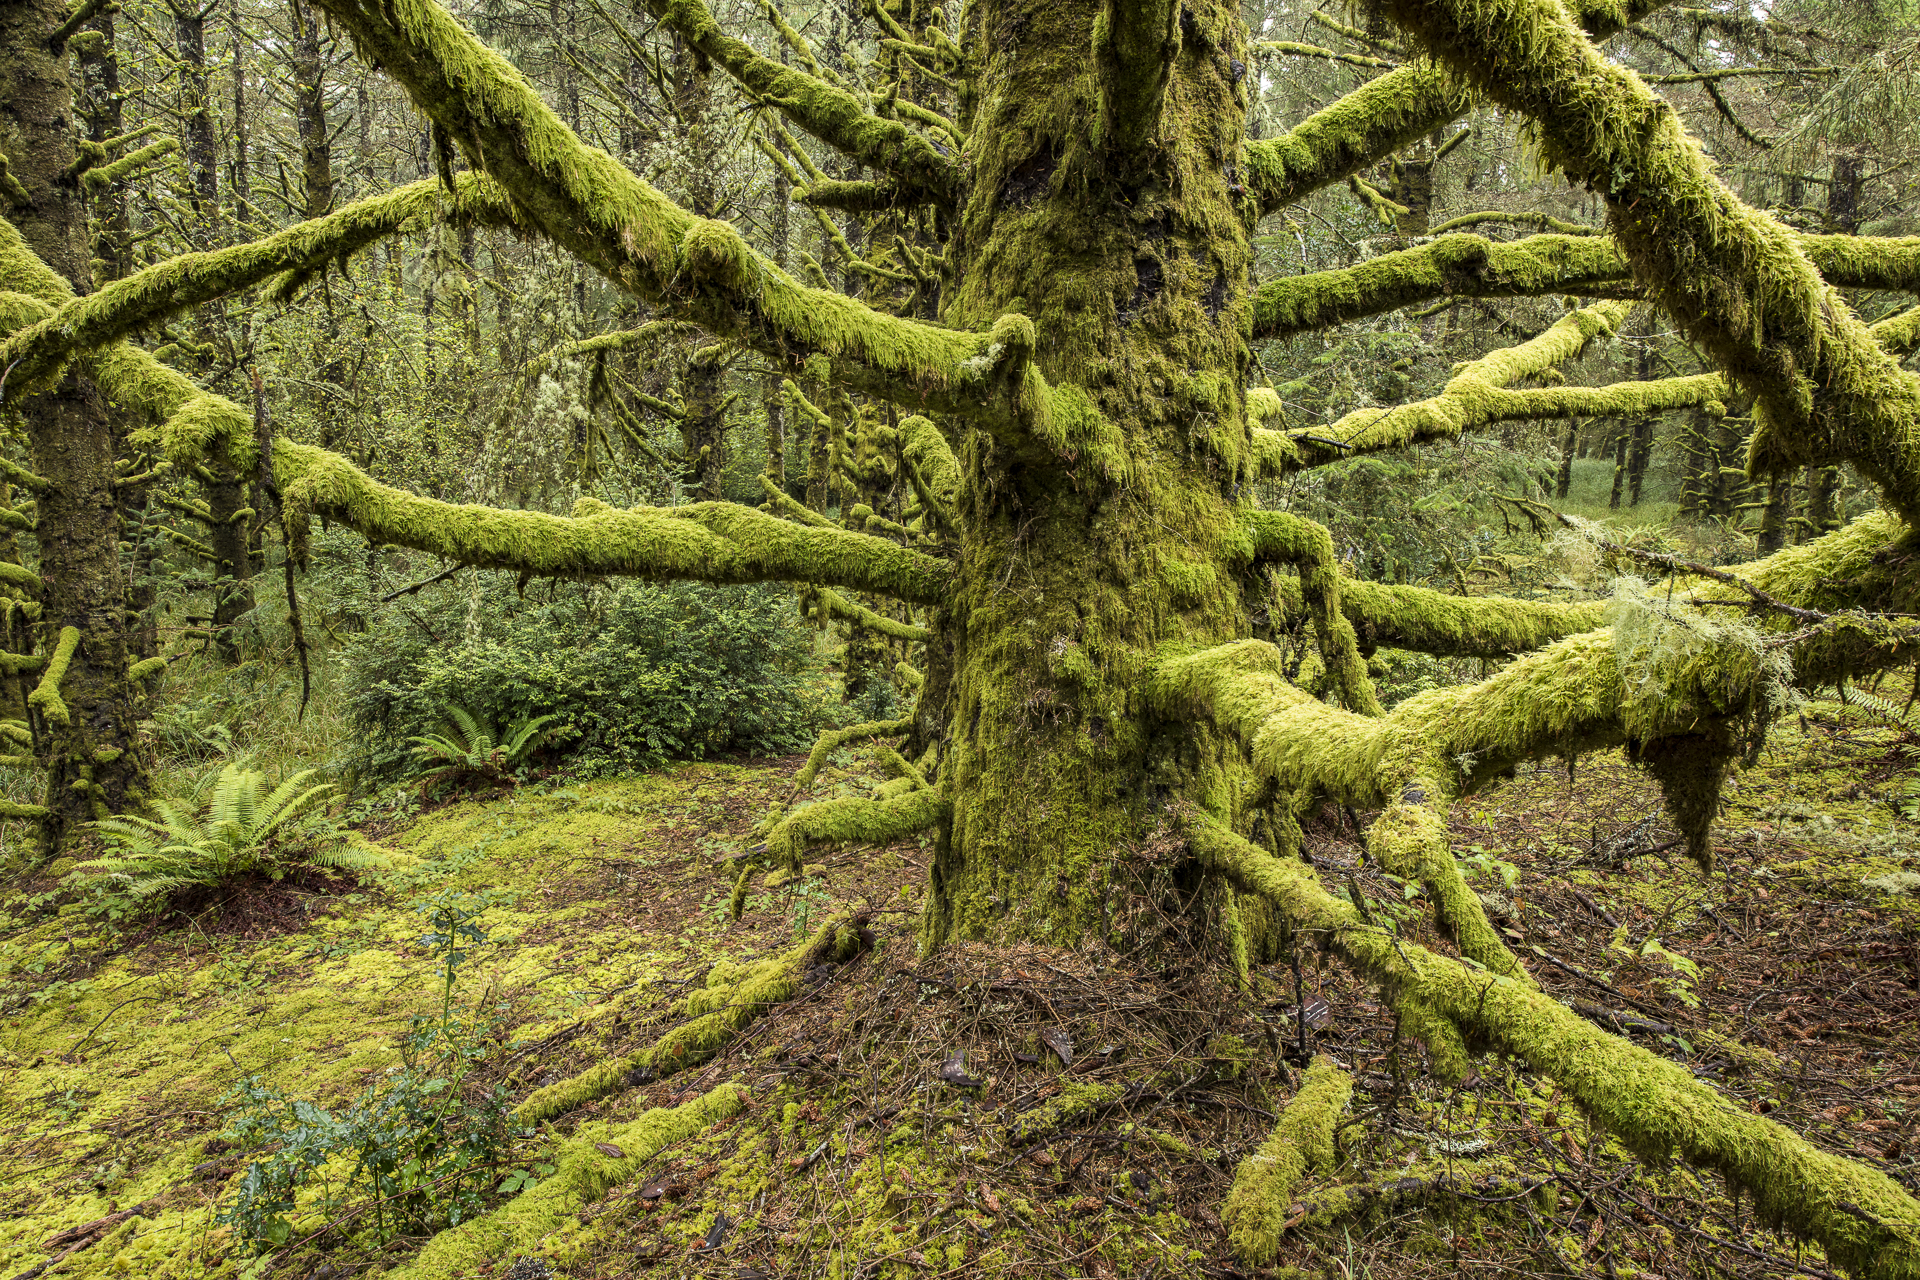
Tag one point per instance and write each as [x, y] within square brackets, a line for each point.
[1384, 115]
[1385, 616]
[1263, 1185]
[190, 279]
[851, 820]
[1473, 397]
[708, 541]
[1735, 279]
[1455, 265]
[832, 114]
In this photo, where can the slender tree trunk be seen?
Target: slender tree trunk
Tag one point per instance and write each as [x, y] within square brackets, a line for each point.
[1773, 517]
[703, 432]
[241, 181]
[1823, 501]
[1639, 455]
[1564, 480]
[1620, 441]
[91, 768]
[774, 403]
[196, 124]
[310, 111]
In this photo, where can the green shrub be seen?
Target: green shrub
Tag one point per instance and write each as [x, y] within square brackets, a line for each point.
[632, 674]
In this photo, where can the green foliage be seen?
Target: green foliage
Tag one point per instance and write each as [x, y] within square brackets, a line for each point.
[469, 749]
[413, 1153]
[242, 830]
[618, 678]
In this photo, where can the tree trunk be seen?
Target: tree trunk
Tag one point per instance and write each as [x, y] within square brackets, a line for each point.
[1076, 573]
[1620, 442]
[85, 739]
[196, 124]
[703, 432]
[1823, 502]
[1564, 480]
[1639, 454]
[1773, 517]
[310, 112]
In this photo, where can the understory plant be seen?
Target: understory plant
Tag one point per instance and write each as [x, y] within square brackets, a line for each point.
[416, 1151]
[244, 828]
[466, 749]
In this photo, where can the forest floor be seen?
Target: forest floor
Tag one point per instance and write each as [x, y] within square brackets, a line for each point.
[1789, 977]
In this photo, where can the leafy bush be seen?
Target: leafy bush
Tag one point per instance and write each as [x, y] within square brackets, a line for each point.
[240, 831]
[632, 674]
[412, 1153]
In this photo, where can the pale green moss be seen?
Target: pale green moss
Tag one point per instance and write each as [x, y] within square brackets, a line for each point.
[45, 697]
[1262, 1194]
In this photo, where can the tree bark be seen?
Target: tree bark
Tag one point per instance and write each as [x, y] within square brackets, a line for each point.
[87, 753]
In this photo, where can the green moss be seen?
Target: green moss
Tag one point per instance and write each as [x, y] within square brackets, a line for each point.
[1258, 1204]
[45, 697]
[851, 820]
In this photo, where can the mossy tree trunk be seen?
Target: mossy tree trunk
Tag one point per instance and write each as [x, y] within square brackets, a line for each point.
[84, 734]
[1106, 213]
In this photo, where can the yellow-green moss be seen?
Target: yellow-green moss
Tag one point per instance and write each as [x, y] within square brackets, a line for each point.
[1262, 1194]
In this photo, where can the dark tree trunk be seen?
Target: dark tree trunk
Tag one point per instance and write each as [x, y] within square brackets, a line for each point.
[1564, 480]
[310, 111]
[91, 768]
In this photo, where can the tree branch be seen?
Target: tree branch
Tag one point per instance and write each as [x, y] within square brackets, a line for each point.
[832, 114]
[707, 541]
[1862, 1218]
[1734, 278]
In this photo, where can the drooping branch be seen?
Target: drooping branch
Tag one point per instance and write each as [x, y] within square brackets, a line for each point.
[1734, 278]
[1290, 539]
[1864, 1220]
[828, 112]
[707, 541]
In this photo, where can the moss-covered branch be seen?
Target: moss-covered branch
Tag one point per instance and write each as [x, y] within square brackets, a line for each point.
[1473, 397]
[1863, 1219]
[1450, 266]
[708, 541]
[1383, 116]
[593, 206]
[1290, 539]
[828, 112]
[838, 606]
[183, 282]
[1387, 616]
[45, 697]
[1735, 279]
[852, 820]
[1263, 1185]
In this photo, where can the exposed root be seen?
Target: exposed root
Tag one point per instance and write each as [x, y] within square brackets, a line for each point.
[735, 997]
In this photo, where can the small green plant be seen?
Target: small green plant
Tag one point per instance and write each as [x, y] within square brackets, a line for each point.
[418, 1154]
[243, 829]
[468, 750]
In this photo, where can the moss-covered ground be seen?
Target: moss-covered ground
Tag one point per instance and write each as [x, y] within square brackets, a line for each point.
[985, 1111]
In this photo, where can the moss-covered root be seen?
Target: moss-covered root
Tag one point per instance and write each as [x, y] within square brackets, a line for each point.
[851, 820]
[735, 996]
[1276, 535]
[1256, 1210]
[1865, 1221]
[710, 541]
[585, 1169]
